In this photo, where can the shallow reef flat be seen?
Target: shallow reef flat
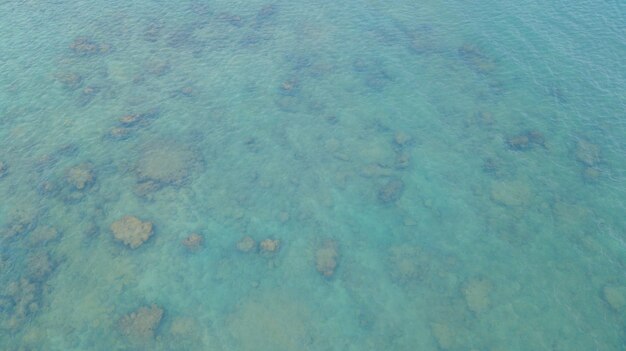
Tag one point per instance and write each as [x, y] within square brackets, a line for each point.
[281, 175]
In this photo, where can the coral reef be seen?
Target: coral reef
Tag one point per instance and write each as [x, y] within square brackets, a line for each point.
[130, 123]
[22, 301]
[491, 165]
[283, 217]
[391, 191]
[510, 193]
[403, 160]
[374, 170]
[139, 119]
[402, 139]
[587, 153]
[408, 263]
[81, 176]
[85, 46]
[445, 337]
[475, 59]
[615, 296]
[246, 244]
[421, 42]
[234, 20]
[158, 68]
[526, 140]
[88, 94]
[290, 87]
[131, 231]
[591, 174]
[129, 120]
[266, 12]
[21, 221]
[476, 292]
[42, 235]
[152, 32]
[193, 242]
[4, 169]
[273, 320]
[269, 245]
[326, 257]
[119, 133]
[70, 80]
[145, 189]
[186, 332]
[166, 164]
[39, 266]
[141, 325]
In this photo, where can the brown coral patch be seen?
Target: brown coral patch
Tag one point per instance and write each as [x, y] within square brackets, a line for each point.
[81, 176]
[246, 244]
[476, 293]
[326, 258]
[141, 324]
[587, 153]
[131, 231]
[269, 245]
[391, 191]
[166, 163]
[193, 242]
[85, 46]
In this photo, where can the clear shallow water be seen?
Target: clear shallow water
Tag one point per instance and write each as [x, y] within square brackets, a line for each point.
[462, 165]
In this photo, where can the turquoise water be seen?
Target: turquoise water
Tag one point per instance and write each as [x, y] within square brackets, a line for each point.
[359, 175]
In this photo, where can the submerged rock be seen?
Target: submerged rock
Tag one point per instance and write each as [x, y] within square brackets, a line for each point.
[131, 231]
[326, 257]
[141, 324]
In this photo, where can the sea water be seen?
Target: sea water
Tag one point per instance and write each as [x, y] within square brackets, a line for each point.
[293, 175]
